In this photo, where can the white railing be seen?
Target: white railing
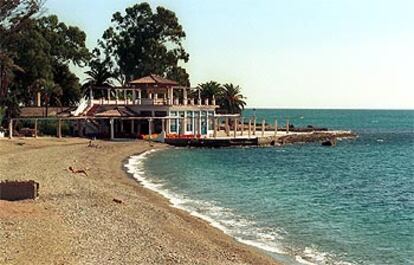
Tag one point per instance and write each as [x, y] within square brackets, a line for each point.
[153, 101]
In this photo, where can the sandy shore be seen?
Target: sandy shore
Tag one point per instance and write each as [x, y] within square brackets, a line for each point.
[76, 221]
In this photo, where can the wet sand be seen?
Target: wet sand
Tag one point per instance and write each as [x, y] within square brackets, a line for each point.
[76, 220]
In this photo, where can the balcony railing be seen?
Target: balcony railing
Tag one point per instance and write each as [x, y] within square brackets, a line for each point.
[155, 102]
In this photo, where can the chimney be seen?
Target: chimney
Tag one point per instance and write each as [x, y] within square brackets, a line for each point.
[38, 99]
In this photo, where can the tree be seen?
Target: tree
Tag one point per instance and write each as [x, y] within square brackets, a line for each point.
[44, 48]
[13, 15]
[211, 89]
[100, 73]
[142, 42]
[232, 100]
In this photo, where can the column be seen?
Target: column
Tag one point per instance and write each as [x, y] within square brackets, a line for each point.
[163, 121]
[59, 131]
[254, 126]
[171, 96]
[133, 126]
[215, 121]
[242, 126]
[111, 123]
[139, 96]
[125, 97]
[275, 127]
[227, 127]
[263, 127]
[235, 127]
[184, 123]
[150, 124]
[199, 123]
[168, 125]
[11, 129]
[287, 126]
[116, 96]
[134, 97]
[213, 100]
[35, 128]
[182, 126]
[250, 128]
[185, 100]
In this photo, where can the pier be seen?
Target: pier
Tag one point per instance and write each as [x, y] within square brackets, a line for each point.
[266, 138]
[233, 131]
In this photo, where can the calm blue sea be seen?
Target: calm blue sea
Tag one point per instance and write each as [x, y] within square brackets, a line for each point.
[304, 204]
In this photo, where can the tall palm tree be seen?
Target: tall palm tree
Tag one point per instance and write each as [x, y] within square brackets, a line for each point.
[232, 101]
[100, 73]
[210, 89]
[99, 76]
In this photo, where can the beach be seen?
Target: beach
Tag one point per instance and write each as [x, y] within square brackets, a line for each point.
[104, 217]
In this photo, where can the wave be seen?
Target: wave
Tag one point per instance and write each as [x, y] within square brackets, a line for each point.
[244, 230]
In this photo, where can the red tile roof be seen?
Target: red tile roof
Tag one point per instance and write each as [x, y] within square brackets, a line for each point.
[39, 112]
[111, 111]
[153, 80]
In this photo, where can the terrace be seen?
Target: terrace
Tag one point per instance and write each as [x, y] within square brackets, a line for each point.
[151, 90]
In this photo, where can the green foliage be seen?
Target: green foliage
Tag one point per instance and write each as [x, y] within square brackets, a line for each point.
[42, 50]
[13, 16]
[49, 127]
[101, 70]
[2, 114]
[228, 96]
[210, 89]
[142, 42]
[232, 100]
[14, 13]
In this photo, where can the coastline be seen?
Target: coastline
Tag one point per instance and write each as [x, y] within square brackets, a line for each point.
[77, 220]
[133, 167]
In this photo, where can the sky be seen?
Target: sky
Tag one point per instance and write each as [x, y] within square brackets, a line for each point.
[285, 54]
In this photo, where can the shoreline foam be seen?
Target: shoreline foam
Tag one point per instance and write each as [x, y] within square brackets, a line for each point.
[134, 167]
[76, 220]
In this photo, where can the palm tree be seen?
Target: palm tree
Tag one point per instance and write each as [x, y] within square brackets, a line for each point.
[100, 73]
[232, 101]
[210, 89]
[99, 76]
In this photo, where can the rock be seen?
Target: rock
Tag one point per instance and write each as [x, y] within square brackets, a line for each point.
[328, 143]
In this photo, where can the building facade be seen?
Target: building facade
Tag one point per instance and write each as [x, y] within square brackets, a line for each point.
[149, 105]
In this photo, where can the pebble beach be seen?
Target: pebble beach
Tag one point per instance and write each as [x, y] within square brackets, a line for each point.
[103, 216]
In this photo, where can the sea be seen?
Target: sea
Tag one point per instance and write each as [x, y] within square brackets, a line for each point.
[303, 203]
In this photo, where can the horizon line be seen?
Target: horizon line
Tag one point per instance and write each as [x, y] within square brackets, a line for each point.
[325, 108]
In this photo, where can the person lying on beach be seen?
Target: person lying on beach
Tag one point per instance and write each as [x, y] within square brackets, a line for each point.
[78, 171]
